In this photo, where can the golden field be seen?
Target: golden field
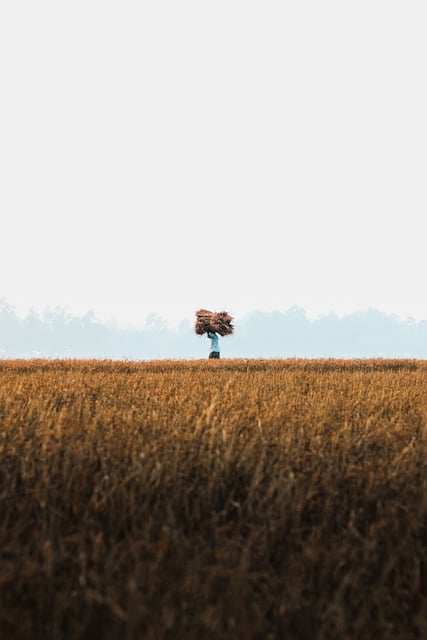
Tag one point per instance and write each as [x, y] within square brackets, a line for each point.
[248, 499]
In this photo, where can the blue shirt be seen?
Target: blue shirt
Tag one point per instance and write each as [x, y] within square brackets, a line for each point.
[214, 341]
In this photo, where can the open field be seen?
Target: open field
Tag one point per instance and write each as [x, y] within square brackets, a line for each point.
[248, 499]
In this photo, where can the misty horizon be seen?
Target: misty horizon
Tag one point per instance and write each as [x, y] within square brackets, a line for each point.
[258, 334]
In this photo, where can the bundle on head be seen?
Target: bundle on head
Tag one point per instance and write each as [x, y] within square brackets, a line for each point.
[215, 321]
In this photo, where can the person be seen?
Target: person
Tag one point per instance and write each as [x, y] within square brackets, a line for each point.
[214, 352]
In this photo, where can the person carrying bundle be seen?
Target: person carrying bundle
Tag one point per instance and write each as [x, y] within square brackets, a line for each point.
[214, 324]
[214, 352]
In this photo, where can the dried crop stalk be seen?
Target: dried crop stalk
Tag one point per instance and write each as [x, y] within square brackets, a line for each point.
[216, 321]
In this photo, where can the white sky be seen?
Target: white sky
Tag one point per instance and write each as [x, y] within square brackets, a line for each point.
[162, 156]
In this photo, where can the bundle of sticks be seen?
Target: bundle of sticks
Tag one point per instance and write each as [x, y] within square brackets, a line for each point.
[215, 321]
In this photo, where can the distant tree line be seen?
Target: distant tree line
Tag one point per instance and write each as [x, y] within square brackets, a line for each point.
[260, 334]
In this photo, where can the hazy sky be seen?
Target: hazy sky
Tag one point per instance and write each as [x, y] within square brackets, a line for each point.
[168, 155]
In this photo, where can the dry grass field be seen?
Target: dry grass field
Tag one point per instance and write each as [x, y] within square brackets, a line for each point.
[248, 499]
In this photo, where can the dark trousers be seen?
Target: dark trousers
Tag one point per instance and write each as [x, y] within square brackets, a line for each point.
[214, 354]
